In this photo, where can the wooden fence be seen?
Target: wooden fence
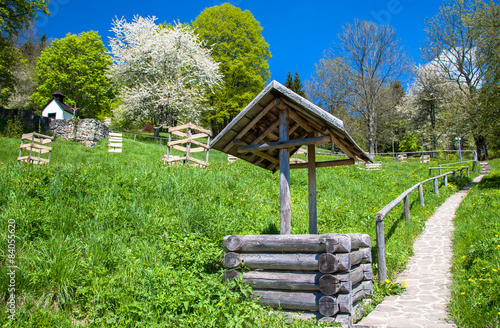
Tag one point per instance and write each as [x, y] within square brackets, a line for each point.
[329, 273]
[36, 146]
[379, 217]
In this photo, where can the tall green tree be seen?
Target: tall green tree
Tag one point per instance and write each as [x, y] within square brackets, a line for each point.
[15, 16]
[295, 84]
[289, 81]
[486, 22]
[237, 44]
[79, 63]
[298, 88]
[451, 45]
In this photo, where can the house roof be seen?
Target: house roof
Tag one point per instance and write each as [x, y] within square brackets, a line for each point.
[258, 124]
[59, 99]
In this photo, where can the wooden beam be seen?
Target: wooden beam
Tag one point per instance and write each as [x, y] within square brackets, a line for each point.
[269, 130]
[340, 162]
[283, 144]
[285, 205]
[250, 125]
[311, 172]
[301, 121]
[341, 145]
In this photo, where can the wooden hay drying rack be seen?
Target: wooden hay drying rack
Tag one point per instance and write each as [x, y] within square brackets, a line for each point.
[36, 146]
[186, 131]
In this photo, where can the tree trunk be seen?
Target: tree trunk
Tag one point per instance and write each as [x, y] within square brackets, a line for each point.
[371, 132]
[481, 148]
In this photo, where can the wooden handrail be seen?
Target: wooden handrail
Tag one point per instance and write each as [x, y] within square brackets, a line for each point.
[379, 217]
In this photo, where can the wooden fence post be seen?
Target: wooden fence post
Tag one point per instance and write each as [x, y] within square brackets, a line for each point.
[454, 175]
[436, 186]
[407, 209]
[382, 269]
[461, 173]
[421, 195]
[446, 181]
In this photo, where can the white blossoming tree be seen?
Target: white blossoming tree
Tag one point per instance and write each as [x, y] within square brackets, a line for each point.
[163, 71]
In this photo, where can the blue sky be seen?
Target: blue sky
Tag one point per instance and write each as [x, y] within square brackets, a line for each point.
[297, 31]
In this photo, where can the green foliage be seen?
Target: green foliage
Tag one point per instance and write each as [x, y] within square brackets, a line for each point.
[8, 60]
[79, 63]
[13, 129]
[237, 44]
[16, 15]
[410, 143]
[486, 22]
[119, 240]
[476, 261]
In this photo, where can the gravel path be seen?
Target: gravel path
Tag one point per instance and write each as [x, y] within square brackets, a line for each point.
[424, 303]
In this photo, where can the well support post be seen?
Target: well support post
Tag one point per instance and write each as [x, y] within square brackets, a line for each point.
[285, 206]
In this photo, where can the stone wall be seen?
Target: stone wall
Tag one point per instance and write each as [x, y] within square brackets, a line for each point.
[29, 120]
[88, 131]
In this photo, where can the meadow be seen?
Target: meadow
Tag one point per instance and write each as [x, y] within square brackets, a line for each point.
[476, 263]
[120, 240]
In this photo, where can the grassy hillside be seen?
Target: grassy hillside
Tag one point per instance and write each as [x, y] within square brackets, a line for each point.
[119, 240]
[476, 262]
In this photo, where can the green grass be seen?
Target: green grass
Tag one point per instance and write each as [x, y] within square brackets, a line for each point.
[120, 240]
[476, 262]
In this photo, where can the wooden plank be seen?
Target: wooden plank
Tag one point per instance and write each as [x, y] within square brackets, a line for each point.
[43, 136]
[115, 139]
[285, 203]
[197, 161]
[199, 135]
[115, 134]
[339, 162]
[283, 144]
[196, 150]
[267, 156]
[250, 125]
[179, 127]
[200, 129]
[179, 134]
[326, 243]
[112, 144]
[30, 159]
[116, 150]
[34, 145]
[179, 148]
[177, 142]
[200, 144]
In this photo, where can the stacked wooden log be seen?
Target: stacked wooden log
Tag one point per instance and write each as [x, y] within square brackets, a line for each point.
[35, 144]
[377, 165]
[186, 132]
[330, 274]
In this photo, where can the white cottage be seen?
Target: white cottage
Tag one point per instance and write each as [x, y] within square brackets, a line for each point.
[57, 109]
